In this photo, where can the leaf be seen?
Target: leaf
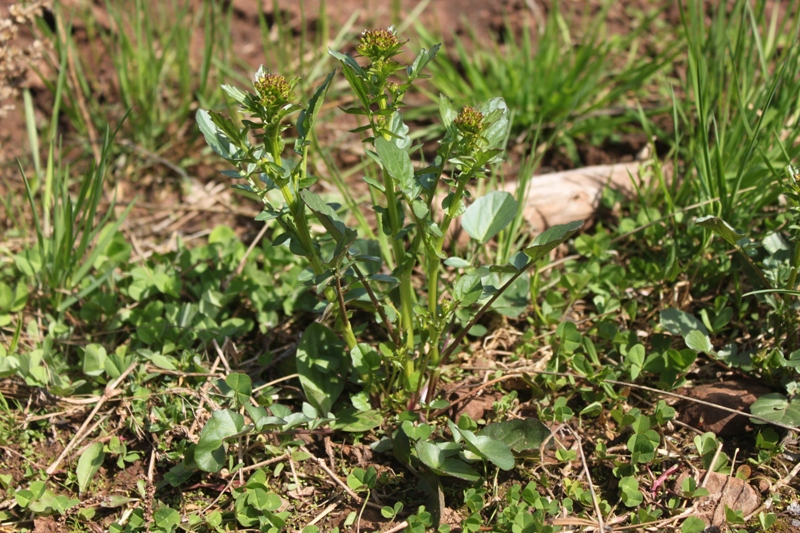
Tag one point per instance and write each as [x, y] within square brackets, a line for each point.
[436, 459]
[692, 330]
[305, 121]
[214, 137]
[486, 447]
[94, 360]
[680, 322]
[693, 524]
[242, 385]
[327, 216]
[235, 93]
[423, 58]
[467, 289]
[643, 446]
[88, 464]
[488, 215]
[630, 495]
[721, 228]
[447, 110]
[635, 357]
[210, 453]
[521, 436]
[352, 420]
[699, 342]
[777, 408]
[551, 238]
[496, 133]
[321, 363]
[397, 163]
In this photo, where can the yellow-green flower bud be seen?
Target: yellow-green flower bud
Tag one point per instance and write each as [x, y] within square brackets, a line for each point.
[378, 44]
[274, 90]
[469, 122]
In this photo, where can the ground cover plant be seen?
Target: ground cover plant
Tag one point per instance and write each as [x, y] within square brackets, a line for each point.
[366, 333]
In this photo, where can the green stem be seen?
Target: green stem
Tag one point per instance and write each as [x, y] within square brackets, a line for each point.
[406, 290]
[303, 232]
[792, 284]
[433, 270]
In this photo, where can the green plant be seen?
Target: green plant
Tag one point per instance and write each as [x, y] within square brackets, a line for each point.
[402, 369]
[556, 82]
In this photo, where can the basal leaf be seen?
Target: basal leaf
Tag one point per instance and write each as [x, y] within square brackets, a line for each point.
[210, 453]
[321, 363]
[486, 447]
[777, 408]
[522, 436]
[88, 464]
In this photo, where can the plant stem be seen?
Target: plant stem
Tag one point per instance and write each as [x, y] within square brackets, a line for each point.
[303, 232]
[433, 270]
[406, 290]
[792, 283]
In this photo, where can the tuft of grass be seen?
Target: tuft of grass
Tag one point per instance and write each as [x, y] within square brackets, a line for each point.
[739, 109]
[552, 79]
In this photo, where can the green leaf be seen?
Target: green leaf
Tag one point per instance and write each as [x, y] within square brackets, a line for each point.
[214, 137]
[436, 459]
[635, 357]
[486, 447]
[321, 363]
[721, 228]
[447, 110]
[210, 453]
[328, 217]
[305, 121]
[94, 360]
[89, 463]
[699, 342]
[397, 163]
[680, 322]
[235, 93]
[242, 385]
[423, 58]
[777, 408]
[630, 494]
[693, 524]
[551, 238]
[496, 133]
[167, 518]
[643, 446]
[522, 436]
[734, 516]
[489, 214]
[467, 289]
[352, 420]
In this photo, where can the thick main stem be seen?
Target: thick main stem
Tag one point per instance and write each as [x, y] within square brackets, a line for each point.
[406, 290]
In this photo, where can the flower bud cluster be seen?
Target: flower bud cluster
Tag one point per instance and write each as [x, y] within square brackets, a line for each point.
[274, 93]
